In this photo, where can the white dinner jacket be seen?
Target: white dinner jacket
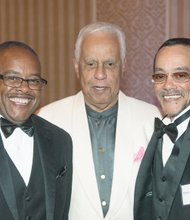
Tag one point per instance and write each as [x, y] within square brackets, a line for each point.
[134, 129]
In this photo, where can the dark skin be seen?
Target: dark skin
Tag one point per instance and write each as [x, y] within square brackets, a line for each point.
[17, 104]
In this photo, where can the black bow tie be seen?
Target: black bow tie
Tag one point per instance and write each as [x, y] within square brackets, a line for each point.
[161, 129]
[170, 129]
[8, 127]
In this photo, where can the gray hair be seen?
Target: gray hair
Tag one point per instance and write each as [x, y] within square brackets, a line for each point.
[101, 27]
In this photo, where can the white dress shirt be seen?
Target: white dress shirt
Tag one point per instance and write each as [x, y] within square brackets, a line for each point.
[19, 147]
[167, 143]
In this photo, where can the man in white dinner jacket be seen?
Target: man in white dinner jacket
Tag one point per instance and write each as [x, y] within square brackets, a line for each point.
[110, 131]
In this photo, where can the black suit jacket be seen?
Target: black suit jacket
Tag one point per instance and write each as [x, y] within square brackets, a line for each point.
[55, 150]
[143, 207]
[143, 185]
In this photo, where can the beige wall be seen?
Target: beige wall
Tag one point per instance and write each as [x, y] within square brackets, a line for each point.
[51, 27]
[178, 18]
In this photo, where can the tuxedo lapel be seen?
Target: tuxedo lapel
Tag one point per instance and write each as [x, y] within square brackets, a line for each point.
[6, 183]
[143, 186]
[176, 164]
[82, 156]
[123, 159]
[42, 138]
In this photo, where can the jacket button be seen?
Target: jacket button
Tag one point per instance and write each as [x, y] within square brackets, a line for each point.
[27, 198]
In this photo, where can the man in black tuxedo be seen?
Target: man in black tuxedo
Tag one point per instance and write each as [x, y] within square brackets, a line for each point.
[35, 155]
[162, 188]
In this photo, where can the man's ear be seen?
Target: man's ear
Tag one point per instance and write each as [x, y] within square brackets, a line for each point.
[76, 67]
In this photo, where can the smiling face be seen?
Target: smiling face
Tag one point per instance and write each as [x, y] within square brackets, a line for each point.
[99, 70]
[17, 104]
[173, 96]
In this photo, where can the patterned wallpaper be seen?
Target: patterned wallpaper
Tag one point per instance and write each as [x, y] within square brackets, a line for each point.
[145, 28]
[51, 27]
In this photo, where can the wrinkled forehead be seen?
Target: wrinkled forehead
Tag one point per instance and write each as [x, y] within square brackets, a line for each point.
[100, 44]
[100, 37]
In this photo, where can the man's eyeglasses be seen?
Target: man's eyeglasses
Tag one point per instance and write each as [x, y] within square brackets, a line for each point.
[178, 77]
[16, 82]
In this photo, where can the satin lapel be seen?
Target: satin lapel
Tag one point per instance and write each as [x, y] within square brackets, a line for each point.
[42, 138]
[6, 183]
[144, 176]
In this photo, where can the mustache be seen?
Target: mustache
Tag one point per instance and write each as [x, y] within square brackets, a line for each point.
[171, 92]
